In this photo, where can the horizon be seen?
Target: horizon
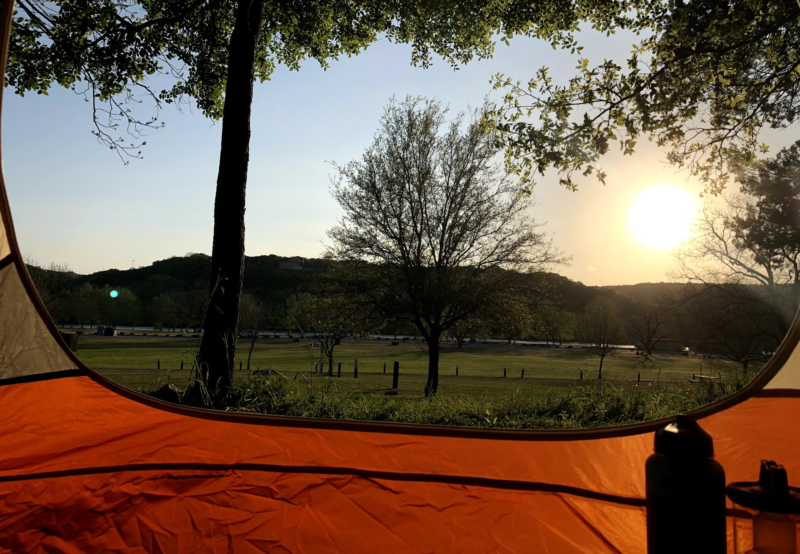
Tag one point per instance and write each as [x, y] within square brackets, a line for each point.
[36, 263]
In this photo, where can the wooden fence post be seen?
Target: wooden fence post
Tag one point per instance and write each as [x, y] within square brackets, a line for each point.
[339, 374]
[395, 375]
[456, 371]
[181, 364]
[522, 375]
[330, 368]
[639, 377]
[581, 375]
[384, 367]
[355, 368]
[158, 364]
[240, 365]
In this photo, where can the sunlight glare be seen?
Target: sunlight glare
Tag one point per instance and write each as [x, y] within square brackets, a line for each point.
[661, 216]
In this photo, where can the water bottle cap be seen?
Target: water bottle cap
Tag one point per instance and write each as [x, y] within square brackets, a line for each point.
[684, 439]
[771, 493]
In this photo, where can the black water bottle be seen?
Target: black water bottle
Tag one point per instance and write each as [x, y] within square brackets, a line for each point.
[685, 492]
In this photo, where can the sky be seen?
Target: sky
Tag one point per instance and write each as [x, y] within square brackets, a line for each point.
[74, 202]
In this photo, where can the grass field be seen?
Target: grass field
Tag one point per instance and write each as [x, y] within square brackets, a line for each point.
[550, 396]
[134, 362]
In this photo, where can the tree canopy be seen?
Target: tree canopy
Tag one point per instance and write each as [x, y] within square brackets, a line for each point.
[747, 244]
[702, 83]
[107, 50]
[432, 230]
[768, 223]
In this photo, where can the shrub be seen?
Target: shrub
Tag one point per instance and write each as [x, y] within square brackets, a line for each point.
[593, 404]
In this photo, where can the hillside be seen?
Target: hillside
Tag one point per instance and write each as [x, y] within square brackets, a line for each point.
[270, 277]
[648, 292]
[276, 278]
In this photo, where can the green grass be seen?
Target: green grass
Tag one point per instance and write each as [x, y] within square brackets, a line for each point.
[410, 386]
[551, 396]
[482, 360]
[551, 381]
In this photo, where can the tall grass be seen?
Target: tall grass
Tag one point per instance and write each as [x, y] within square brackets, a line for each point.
[594, 404]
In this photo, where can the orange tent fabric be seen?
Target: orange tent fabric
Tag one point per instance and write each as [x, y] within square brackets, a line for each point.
[88, 466]
[85, 469]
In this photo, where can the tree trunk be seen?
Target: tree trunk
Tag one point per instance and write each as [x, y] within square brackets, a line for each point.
[252, 346]
[600, 371]
[217, 353]
[432, 386]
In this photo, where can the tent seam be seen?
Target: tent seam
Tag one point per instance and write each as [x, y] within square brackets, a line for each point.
[485, 482]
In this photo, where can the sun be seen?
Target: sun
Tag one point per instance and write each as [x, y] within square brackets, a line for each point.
[661, 216]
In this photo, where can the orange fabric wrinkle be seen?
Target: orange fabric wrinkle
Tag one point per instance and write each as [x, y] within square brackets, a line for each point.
[154, 500]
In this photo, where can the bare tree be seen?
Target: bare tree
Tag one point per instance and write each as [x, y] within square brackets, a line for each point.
[752, 239]
[601, 326]
[432, 230]
[726, 322]
[712, 256]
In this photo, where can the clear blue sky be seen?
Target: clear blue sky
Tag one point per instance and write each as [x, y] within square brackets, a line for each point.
[74, 202]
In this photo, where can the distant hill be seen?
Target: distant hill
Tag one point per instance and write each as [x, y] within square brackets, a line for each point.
[647, 292]
[270, 277]
[574, 295]
[275, 278]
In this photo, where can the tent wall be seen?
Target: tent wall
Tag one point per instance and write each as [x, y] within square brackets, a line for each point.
[28, 347]
[5, 248]
[105, 472]
[788, 378]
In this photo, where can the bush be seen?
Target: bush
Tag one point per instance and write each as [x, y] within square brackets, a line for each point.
[594, 404]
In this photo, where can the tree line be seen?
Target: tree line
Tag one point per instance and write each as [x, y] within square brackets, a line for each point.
[728, 321]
